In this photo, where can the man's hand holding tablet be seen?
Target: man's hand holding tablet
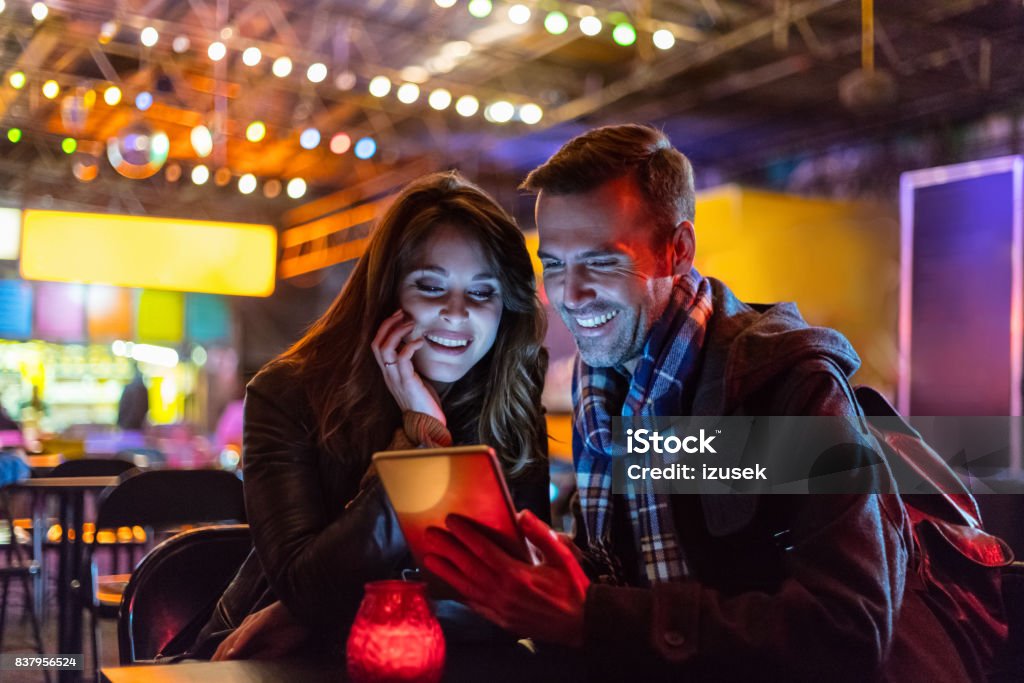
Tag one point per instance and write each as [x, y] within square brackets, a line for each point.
[457, 517]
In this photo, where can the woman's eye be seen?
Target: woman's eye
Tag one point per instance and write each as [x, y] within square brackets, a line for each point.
[428, 289]
[483, 295]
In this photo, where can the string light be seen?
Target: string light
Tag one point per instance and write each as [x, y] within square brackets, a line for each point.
[530, 114]
[40, 11]
[255, 131]
[149, 36]
[500, 112]
[340, 143]
[380, 86]
[143, 101]
[590, 26]
[202, 141]
[222, 177]
[556, 23]
[296, 188]
[69, 145]
[200, 174]
[181, 44]
[282, 67]
[519, 14]
[663, 39]
[440, 99]
[173, 172]
[309, 138]
[316, 72]
[467, 105]
[112, 95]
[251, 56]
[271, 188]
[107, 32]
[480, 8]
[366, 148]
[51, 89]
[14, 135]
[408, 93]
[247, 183]
[444, 4]
[624, 34]
[17, 80]
[346, 80]
[216, 51]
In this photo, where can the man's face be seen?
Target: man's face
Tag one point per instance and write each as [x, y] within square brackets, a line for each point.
[603, 272]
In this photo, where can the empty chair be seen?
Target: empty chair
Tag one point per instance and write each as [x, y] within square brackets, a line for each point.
[157, 500]
[177, 585]
[91, 467]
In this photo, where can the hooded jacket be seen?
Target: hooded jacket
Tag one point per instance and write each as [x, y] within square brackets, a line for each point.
[784, 587]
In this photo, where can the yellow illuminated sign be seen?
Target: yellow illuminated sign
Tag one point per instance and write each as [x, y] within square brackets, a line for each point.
[142, 251]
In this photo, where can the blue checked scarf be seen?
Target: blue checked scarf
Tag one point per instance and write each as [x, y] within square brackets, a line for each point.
[668, 362]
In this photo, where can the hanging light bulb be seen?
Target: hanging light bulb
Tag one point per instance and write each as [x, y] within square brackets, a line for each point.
[112, 95]
[40, 11]
[309, 138]
[663, 39]
[380, 86]
[366, 148]
[255, 131]
[181, 44]
[149, 36]
[217, 51]
[590, 26]
[200, 174]
[467, 105]
[519, 14]
[51, 89]
[408, 93]
[143, 101]
[530, 114]
[440, 99]
[317, 72]
[247, 183]
[296, 188]
[282, 67]
[17, 80]
[340, 143]
[251, 56]
[202, 140]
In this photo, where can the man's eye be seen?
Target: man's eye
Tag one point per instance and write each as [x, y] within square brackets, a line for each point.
[602, 263]
[550, 265]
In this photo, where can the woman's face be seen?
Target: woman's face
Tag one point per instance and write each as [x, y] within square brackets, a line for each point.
[455, 299]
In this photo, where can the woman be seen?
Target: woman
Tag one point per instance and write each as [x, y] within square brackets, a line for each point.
[435, 340]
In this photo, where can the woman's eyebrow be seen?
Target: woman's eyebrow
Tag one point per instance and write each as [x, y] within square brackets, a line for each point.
[483, 275]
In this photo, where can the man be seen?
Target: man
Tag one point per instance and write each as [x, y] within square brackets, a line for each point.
[812, 587]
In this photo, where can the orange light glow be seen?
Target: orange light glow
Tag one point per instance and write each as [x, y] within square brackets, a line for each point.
[142, 251]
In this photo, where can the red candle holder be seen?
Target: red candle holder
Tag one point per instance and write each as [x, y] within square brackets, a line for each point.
[395, 637]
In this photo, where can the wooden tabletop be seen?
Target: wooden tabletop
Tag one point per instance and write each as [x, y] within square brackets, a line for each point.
[249, 671]
[68, 483]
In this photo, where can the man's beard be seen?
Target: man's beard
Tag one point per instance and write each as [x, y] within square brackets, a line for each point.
[605, 352]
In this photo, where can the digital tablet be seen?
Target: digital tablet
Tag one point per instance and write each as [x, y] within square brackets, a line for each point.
[428, 484]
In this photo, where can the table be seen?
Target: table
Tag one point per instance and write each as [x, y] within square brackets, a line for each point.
[250, 671]
[71, 491]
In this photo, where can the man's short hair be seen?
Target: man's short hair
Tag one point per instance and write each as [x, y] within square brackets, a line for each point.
[663, 173]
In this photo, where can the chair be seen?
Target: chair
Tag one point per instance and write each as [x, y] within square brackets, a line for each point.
[177, 585]
[91, 467]
[1009, 664]
[19, 567]
[159, 500]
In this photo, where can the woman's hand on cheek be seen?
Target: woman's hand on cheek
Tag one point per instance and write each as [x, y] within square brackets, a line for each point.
[394, 356]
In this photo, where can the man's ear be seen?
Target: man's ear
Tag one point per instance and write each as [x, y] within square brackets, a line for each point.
[684, 246]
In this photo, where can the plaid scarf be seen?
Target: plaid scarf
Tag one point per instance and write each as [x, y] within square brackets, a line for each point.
[668, 361]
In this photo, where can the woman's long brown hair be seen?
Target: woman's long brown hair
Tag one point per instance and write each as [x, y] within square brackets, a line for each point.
[497, 402]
